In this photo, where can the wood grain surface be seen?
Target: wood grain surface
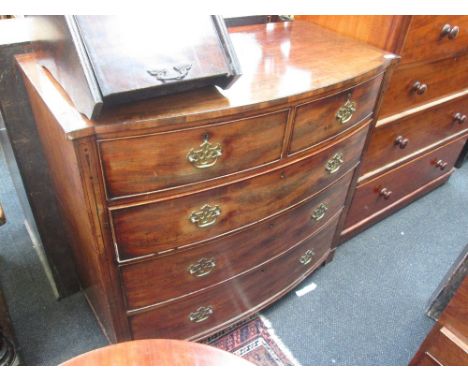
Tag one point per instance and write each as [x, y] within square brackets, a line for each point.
[165, 225]
[447, 342]
[236, 298]
[157, 352]
[368, 200]
[441, 77]
[423, 130]
[425, 42]
[168, 277]
[383, 31]
[149, 163]
[317, 121]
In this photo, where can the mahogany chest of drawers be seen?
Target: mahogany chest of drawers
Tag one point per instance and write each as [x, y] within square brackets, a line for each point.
[190, 212]
[422, 122]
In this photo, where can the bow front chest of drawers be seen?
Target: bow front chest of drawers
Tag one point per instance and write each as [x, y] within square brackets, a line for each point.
[190, 212]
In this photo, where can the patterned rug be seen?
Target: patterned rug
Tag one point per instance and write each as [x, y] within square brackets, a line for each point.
[255, 341]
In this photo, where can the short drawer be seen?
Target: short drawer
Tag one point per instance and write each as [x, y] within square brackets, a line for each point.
[435, 37]
[413, 85]
[404, 137]
[323, 119]
[376, 195]
[165, 160]
[165, 225]
[168, 277]
[213, 308]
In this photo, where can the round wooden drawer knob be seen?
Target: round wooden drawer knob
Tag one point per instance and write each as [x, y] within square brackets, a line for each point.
[385, 193]
[459, 118]
[401, 142]
[449, 31]
[441, 164]
[419, 88]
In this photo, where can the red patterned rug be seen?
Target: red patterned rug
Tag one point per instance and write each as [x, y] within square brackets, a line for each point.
[254, 341]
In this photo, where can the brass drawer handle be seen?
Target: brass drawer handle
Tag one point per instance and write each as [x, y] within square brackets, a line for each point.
[202, 267]
[459, 118]
[319, 212]
[201, 314]
[345, 112]
[385, 193]
[163, 74]
[401, 142]
[334, 164]
[419, 88]
[441, 164]
[306, 258]
[205, 216]
[449, 31]
[206, 156]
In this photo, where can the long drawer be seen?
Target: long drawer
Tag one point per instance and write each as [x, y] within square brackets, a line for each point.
[182, 221]
[413, 85]
[160, 161]
[188, 271]
[378, 194]
[325, 118]
[435, 37]
[209, 310]
[402, 138]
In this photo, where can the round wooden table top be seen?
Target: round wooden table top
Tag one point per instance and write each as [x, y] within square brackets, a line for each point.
[157, 352]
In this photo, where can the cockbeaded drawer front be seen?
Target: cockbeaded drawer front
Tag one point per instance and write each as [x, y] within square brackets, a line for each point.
[323, 119]
[159, 161]
[209, 310]
[185, 272]
[434, 37]
[375, 196]
[182, 221]
[396, 140]
[413, 85]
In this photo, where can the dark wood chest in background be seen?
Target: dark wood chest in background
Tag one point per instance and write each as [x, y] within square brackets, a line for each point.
[447, 342]
[190, 212]
[422, 125]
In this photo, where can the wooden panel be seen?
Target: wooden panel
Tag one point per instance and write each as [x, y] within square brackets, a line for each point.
[403, 138]
[239, 297]
[385, 32]
[426, 42]
[402, 181]
[317, 121]
[447, 342]
[454, 316]
[34, 174]
[153, 162]
[441, 78]
[167, 277]
[162, 226]
[448, 348]
[118, 50]
[427, 360]
[77, 206]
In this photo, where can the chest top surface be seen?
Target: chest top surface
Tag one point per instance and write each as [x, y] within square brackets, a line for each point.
[281, 63]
